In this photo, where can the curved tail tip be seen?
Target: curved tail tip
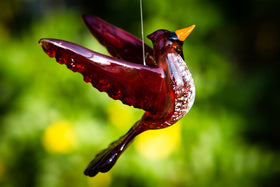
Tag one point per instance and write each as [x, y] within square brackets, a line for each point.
[90, 172]
[104, 160]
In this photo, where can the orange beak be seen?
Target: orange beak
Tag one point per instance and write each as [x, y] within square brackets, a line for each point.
[184, 33]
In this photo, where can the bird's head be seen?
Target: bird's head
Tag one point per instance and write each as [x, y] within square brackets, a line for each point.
[163, 39]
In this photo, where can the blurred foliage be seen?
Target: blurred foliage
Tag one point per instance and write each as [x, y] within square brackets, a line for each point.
[52, 123]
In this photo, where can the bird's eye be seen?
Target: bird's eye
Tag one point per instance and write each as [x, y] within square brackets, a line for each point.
[172, 36]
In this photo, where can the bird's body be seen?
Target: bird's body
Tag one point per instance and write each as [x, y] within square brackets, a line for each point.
[164, 88]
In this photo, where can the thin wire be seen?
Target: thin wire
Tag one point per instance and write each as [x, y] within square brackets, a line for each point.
[142, 31]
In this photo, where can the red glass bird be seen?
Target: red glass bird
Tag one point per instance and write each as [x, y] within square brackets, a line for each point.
[164, 87]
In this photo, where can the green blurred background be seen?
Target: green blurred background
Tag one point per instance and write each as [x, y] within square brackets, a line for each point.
[52, 123]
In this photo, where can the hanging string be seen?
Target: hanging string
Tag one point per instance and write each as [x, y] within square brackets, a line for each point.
[142, 31]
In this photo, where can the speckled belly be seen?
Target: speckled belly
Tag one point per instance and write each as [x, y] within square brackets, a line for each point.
[183, 87]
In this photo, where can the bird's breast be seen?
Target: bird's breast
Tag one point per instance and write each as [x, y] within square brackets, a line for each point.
[178, 96]
[182, 86]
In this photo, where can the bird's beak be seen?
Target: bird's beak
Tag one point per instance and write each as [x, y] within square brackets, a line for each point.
[184, 33]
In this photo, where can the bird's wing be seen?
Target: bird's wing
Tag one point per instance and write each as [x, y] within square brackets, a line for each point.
[119, 43]
[133, 84]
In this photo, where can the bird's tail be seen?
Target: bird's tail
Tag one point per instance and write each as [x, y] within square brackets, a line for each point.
[106, 159]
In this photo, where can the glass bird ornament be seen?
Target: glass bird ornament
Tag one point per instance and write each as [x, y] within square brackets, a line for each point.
[163, 88]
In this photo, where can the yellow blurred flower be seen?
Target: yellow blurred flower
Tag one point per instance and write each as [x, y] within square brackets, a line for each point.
[157, 144]
[59, 137]
[100, 180]
[120, 115]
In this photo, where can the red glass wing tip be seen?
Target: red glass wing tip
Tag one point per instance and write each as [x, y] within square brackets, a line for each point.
[44, 43]
[91, 20]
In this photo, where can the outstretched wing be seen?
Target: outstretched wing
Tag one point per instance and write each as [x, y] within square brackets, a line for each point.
[119, 43]
[133, 84]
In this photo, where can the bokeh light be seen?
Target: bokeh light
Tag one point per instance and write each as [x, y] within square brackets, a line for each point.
[101, 180]
[59, 137]
[158, 144]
